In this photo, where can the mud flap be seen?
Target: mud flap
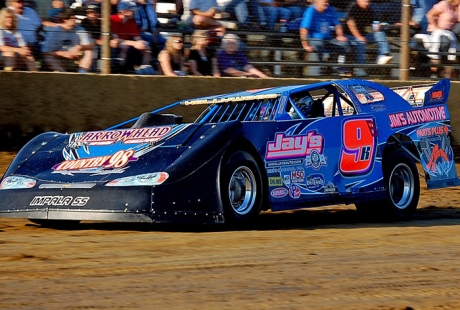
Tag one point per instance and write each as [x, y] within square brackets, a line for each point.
[436, 155]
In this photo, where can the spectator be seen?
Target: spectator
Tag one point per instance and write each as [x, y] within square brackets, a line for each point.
[297, 7]
[360, 18]
[12, 46]
[273, 12]
[132, 50]
[171, 58]
[68, 43]
[146, 20]
[29, 23]
[202, 60]
[52, 20]
[233, 62]
[92, 24]
[204, 14]
[419, 10]
[442, 22]
[316, 27]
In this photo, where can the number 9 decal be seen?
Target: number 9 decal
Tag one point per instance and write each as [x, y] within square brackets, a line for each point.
[358, 146]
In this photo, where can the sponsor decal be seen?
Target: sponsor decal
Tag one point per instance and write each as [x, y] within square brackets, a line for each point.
[275, 181]
[298, 176]
[294, 191]
[432, 131]
[315, 160]
[294, 146]
[378, 107]
[126, 136]
[279, 192]
[230, 99]
[436, 155]
[436, 95]
[117, 160]
[59, 201]
[285, 163]
[315, 182]
[418, 116]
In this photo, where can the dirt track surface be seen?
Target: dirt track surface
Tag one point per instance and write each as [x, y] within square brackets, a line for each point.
[309, 259]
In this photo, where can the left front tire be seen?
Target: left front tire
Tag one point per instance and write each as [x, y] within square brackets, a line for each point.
[241, 188]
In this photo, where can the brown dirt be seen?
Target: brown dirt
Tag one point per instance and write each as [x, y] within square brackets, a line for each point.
[310, 259]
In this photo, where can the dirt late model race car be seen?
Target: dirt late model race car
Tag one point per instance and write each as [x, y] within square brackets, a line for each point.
[281, 148]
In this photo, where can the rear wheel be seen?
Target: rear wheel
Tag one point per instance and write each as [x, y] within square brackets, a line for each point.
[402, 189]
[241, 188]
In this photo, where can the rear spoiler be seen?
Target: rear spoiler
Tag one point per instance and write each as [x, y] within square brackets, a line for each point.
[425, 94]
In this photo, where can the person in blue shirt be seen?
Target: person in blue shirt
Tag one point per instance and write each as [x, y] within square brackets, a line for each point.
[146, 18]
[317, 27]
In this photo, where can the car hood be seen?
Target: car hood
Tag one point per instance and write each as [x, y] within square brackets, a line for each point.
[101, 156]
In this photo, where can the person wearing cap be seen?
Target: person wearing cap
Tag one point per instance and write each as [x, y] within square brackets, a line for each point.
[132, 50]
[68, 43]
[13, 48]
[233, 62]
[29, 23]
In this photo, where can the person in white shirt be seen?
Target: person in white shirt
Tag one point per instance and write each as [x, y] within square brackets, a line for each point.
[12, 46]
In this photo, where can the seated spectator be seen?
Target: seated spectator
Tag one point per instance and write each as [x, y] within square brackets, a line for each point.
[146, 19]
[233, 62]
[52, 20]
[29, 23]
[171, 58]
[360, 18]
[202, 59]
[316, 32]
[297, 7]
[442, 21]
[68, 43]
[273, 13]
[205, 14]
[419, 10]
[13, 48]
[92, 24]
[132, 50]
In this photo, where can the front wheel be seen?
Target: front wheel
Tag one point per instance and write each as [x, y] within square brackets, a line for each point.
[241, 188]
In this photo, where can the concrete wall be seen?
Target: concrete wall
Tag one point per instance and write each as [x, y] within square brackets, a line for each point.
[35, 102]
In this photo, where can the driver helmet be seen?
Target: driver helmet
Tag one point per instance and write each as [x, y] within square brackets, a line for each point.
[305, 104]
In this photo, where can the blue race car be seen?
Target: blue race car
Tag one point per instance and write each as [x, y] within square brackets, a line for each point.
[281, 148]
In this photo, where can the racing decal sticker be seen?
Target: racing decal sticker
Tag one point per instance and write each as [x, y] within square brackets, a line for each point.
[358, 146]
[309, 147]
[279, 192]
[366, 94]
[117, 160]
[418, 116]
[275, 181]
[110, 151]
[127, 136]
[294, 191]
[436, 153]
[59, 201]
[315, 182]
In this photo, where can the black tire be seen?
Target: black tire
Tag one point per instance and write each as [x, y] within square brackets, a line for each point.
[241, 188]
[402, 185]
[55, 223]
